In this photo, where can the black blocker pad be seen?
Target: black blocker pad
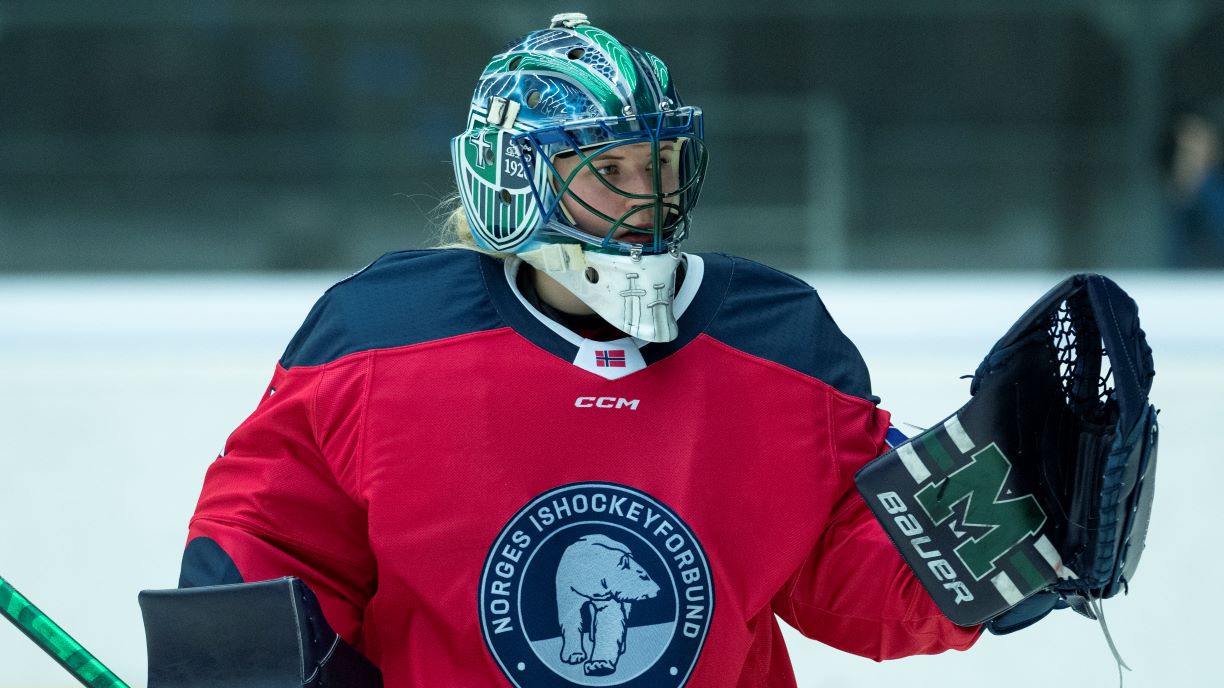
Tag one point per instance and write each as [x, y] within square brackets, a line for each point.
[1044, 479]
[270, 634]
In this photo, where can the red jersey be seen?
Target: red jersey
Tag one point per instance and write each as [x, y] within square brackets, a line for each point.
[480, 497]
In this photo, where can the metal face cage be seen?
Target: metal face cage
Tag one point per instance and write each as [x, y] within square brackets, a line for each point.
[679, 132]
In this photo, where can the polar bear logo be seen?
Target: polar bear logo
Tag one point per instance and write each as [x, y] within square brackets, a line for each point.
[597, 582]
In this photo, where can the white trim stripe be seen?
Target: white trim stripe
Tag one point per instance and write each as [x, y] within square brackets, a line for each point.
[512, 265]
[957, 432]
[694, 273]
[909, 458]
[1047, 551]
[1003, 583]
[1052, 557]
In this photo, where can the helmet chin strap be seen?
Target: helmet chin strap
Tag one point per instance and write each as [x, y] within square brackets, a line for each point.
[633, 294]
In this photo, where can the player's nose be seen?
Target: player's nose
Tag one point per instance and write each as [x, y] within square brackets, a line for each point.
[639, 215]
[639, 182]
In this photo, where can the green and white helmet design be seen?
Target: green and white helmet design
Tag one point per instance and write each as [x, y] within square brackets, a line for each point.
[574, 89]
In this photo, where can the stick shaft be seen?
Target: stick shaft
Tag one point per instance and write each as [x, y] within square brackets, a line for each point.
[45, 633]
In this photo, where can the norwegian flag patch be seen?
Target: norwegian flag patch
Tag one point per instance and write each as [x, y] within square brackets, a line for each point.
[610, 358]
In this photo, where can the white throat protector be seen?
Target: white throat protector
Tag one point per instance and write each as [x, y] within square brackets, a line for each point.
[633, 293]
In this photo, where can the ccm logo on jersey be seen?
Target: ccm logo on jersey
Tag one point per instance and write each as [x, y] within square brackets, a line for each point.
[606, 402]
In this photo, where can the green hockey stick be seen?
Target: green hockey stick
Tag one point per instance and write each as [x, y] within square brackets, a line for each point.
[54, 640]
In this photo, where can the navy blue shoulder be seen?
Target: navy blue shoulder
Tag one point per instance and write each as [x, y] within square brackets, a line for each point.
[406, 297]
[780, 318]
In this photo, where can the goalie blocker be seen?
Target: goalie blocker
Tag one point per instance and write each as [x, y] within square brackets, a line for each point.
[270, 634]
[1037, 491]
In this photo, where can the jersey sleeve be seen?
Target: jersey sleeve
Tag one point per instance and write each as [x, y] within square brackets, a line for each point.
[284, 500]
[854, 591]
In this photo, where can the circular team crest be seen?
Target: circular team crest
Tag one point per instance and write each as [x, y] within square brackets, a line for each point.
[596, 584]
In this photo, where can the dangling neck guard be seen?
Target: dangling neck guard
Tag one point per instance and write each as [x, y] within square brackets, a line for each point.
[633, 294]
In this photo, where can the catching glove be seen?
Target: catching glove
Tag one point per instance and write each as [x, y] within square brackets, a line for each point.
[1037, 492]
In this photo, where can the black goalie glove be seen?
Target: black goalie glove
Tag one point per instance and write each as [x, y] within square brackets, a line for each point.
[1037, 492]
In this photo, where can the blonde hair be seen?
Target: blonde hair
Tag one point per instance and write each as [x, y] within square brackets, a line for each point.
[455, 232]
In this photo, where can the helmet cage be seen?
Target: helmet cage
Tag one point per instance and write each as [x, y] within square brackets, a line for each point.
[588, 139]
[513, 200]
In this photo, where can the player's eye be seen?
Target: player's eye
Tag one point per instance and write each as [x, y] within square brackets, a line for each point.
[607, 170]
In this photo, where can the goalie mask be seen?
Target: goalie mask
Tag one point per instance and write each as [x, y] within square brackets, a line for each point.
[548, 116]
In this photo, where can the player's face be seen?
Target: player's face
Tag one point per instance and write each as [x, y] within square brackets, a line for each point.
[629, 168]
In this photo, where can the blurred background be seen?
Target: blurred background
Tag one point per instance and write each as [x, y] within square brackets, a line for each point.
[875, 134]
[180, 180]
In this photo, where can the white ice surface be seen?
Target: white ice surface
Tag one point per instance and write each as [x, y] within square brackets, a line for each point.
[117, 392]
